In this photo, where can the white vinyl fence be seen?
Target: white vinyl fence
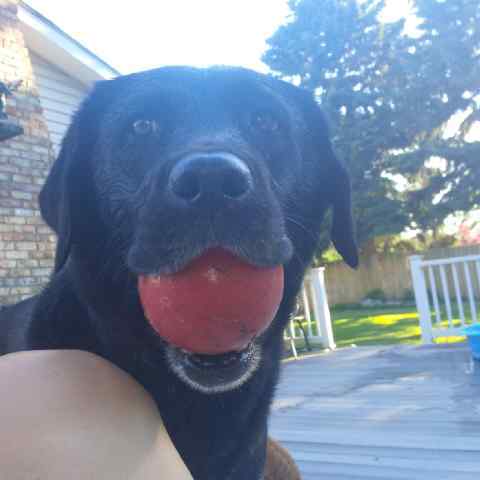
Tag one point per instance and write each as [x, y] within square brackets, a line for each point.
[447, 293]
[314, 313]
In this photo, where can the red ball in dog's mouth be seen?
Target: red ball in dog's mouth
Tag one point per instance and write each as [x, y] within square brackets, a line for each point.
[217, 304]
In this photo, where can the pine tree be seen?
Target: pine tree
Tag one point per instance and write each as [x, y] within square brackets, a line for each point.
[388, 93]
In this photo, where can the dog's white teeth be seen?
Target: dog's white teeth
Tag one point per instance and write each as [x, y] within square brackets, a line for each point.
[155, 278]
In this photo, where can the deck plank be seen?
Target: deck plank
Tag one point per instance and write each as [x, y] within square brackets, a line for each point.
[403, 412]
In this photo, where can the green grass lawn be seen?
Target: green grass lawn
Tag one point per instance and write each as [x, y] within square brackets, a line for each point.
[374, 326]
[382, 325]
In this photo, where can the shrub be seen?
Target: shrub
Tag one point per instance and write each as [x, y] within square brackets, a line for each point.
[408, 295]
[376, 294]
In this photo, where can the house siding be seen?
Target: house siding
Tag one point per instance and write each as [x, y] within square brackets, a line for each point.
[60, 96]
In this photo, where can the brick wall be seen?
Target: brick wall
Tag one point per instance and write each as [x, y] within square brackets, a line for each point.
[26, 243]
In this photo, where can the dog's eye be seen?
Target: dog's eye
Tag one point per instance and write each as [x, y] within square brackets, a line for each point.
[264, 121]
[145, 127]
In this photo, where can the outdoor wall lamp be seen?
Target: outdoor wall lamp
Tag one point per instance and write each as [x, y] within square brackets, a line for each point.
[8, 128]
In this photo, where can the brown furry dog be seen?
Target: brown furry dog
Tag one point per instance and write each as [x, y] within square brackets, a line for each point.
[280, 464]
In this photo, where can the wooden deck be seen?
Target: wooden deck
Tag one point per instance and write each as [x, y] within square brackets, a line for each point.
[382, 413]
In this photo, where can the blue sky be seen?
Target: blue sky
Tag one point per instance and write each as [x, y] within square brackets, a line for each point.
[141, 34]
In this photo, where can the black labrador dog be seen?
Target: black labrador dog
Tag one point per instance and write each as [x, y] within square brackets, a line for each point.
[155, 168]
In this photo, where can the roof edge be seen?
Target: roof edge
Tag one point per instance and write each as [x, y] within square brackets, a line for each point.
[56, 37]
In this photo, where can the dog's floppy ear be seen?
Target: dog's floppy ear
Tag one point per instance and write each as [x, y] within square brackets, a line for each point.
[338, 188]
[336, 181]
[343, 232]
[64, 199]
[54, 198]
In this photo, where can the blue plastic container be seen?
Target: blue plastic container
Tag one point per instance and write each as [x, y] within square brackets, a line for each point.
[473, 334]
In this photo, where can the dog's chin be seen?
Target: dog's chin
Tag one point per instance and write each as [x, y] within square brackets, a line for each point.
[214, 374]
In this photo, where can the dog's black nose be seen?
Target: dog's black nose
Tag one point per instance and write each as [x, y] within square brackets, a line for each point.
[218, 175]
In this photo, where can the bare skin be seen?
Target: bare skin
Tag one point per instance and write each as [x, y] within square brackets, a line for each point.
[70, 414]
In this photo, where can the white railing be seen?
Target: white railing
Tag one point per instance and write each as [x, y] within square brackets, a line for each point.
[447, 292]
[316, 313]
